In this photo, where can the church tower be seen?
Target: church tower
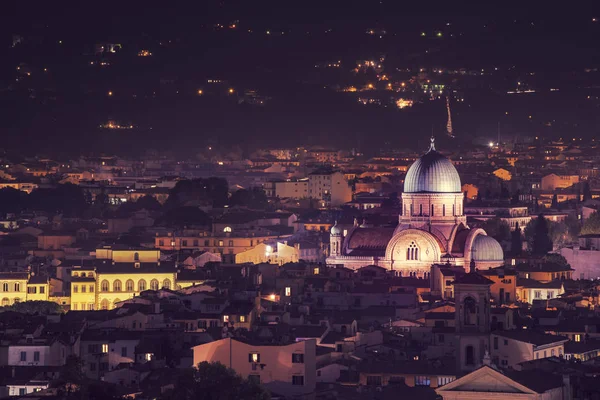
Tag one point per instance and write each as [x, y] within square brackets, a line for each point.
[472, 302]
[335, 241]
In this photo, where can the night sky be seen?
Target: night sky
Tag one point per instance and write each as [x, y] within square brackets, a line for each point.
[58, 110]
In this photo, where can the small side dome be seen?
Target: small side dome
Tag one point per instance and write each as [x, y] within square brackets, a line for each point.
[486, 248]
[335, 230]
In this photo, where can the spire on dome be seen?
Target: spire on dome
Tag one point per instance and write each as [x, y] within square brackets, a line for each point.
[432, 145]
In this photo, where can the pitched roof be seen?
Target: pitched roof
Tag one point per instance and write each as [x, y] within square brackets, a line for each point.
[472, 278]
[533, 337]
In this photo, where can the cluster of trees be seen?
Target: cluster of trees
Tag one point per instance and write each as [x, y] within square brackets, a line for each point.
[540, 234]
[64, 198]
[181, 208]
[214, 381]
[591, 225]
[37, 307]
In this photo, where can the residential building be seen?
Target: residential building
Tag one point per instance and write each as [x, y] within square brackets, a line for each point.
[509, 348]
[287, 369]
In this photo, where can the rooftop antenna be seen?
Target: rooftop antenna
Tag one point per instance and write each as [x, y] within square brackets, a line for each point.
[449, 129]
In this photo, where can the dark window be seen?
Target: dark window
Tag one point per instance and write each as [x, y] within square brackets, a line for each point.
[374, 380]
[338, 348]
[469, 311]
[441, 338]
[469, 355]
[92, 367]
[506, 342]
[298, 380]
[123, 351]
[36, 356]
[103, 366]
[23, 356]
[496, 343]
[22, 391]
[298, 358]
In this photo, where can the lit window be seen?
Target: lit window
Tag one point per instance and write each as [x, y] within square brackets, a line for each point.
[105, 348]
[227, 229]
[316, 271]
[242, 318]
[148, 356]
[225, 318]
[578, 338]
[254, 357]
[288, 291]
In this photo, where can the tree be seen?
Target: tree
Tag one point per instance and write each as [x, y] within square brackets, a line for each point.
[591, 225]
[12, 200]
[214, 381]
[516, 241]
[554, 203]
[39, 307]
[254, 198]
[556, 259]
[184, 216]
[537, 234]
[148, 202]
[498, 229]
[587, 192]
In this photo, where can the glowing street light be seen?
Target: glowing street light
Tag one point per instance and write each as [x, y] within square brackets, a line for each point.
[110, 93]
[231, 90]
[200, 91]
[491, 144]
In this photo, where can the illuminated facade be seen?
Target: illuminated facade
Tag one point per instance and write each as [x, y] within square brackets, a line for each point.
[16, 287]
[431, 229]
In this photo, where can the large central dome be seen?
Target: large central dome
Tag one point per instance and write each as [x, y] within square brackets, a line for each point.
[432, 173]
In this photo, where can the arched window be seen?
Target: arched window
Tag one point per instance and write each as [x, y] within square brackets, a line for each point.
[432, 210]
[412, 253]
[17, 300]
[154, 284]
[104, 304]
[167, 284]
[75, 274]
[469, 355]
[420, 209]
[17, 287]
[5, 302]
[90, 274]
[136, 257]
[117, 286]
[129, 285]
[5, 287]
[470, 311]
[412, 209]
[104, 286]
[141, 285]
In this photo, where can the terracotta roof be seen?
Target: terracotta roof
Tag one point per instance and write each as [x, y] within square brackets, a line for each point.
[370, 238]
[473, 278]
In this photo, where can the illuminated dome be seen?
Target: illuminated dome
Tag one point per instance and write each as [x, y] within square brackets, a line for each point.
[335, 230]
[486, 248]
[432, 173]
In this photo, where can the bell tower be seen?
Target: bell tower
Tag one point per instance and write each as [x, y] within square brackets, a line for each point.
[335, 241]
[472, 319]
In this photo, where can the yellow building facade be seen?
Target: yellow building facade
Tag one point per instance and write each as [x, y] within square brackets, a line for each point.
[16, 287]
[119, 285]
